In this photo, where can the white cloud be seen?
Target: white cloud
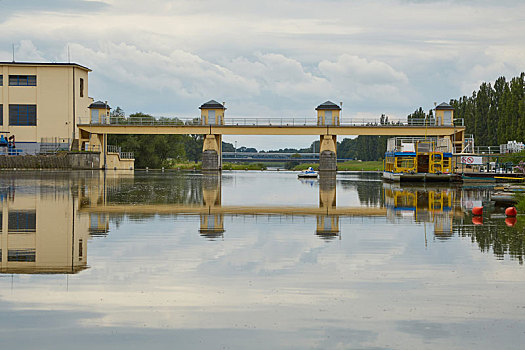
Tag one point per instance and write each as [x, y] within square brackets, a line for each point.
[273, 58]
[361, 79]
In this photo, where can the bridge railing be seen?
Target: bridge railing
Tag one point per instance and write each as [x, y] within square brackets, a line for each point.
[486, 149]
[122, 155]
[295, 121]
[127, 155]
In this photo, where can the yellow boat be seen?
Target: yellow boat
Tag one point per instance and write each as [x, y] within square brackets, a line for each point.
[414, 159]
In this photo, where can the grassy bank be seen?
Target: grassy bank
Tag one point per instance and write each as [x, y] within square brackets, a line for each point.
[352, 165]
[225, 166]
[520, 205]
[243, 166]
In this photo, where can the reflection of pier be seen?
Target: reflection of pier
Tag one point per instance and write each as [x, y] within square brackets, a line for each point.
[211, 210]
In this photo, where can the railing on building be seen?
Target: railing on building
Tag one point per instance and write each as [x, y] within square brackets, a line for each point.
[117, 149]
[51, 145]
[486, 150]
[294, 121]
[408, 144]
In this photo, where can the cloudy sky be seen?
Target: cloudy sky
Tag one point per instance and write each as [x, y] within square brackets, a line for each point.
[273, 58]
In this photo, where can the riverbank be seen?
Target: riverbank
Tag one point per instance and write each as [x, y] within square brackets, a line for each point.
[225, 166]
[352, 165]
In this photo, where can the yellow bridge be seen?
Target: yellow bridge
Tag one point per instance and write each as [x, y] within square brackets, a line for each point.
[213, 125]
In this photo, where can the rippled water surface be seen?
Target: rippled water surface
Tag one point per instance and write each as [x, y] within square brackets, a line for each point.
[255, 260]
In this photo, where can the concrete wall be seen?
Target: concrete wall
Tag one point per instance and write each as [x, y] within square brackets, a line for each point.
[55, 161]
[113, 161]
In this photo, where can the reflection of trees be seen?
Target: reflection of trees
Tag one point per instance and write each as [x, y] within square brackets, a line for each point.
[368, 187]
[370, 193]
[158, 188]
[497, 235]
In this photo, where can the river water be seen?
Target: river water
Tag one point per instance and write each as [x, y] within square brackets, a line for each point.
[255, 260]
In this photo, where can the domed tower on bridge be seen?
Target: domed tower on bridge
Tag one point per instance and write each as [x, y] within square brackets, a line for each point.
[328, 114]
[444, 114]
[212, 113]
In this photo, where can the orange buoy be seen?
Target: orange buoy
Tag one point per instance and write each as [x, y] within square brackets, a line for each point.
[511, 221]
[477, 220]
[511, 211]
[477, 211]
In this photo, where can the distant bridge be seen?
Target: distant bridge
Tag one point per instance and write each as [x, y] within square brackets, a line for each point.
[247, 157]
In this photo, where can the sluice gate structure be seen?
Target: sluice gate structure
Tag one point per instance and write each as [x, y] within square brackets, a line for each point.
[212, 124]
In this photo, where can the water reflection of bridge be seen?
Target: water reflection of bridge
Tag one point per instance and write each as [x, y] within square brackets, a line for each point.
[211, 210]
[47, 220]
[436, 205]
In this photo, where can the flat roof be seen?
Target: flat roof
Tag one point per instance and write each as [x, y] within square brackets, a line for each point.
[44, 64]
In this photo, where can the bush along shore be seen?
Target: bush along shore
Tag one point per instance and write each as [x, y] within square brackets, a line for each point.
[225, 166]
[352, 165]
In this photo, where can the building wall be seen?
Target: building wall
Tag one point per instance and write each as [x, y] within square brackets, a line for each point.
[219, 116]
[440, 116]
[56, 95]
[114, 162]
[321, 117]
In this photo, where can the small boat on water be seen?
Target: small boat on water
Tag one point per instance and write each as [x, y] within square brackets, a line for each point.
[308, 173]
[506, 195]
[502, 198]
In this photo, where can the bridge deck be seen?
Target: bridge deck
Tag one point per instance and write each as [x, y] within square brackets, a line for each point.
[386, 130]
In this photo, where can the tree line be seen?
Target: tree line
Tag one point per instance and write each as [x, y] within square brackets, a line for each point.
[494, 114]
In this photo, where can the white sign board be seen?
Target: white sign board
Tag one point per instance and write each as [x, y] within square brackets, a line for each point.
[471, 160]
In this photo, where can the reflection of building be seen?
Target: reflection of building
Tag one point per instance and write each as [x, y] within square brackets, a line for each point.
[437, 205]
[41, 233]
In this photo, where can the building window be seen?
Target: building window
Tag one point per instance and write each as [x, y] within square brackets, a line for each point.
[80, 249]
[1, 114]
[22, 114]
[21, 221]
[22, 80]
[1, 80]
[21, 255]
[81, 87]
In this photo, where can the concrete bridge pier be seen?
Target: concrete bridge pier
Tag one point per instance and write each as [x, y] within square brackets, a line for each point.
[328, 153]
[212, 153]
